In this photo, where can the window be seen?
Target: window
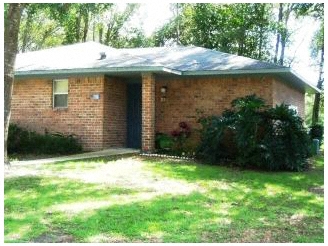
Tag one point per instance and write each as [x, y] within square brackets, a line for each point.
[60, 93]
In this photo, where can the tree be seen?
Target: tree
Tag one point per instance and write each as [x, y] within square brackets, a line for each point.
[319, 46]
[316, 11]
[283, 32]
[241, 29]
[12, 21]
[115, 25]
[52, 24]
[38, 29]
[275, 59]
[176, 8]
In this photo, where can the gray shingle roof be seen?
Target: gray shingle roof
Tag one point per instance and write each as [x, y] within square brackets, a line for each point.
[198, 59]
[85, 58]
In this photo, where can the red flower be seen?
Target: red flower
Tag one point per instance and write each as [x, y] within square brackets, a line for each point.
[175, 133]
[183, 125]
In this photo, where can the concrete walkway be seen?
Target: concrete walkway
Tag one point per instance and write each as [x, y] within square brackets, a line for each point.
[88, 155]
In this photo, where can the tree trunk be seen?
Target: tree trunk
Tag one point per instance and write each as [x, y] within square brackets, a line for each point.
[86, 27]
[178, 23]
[101, 34]
[284, 32]
[261, 11]
[108, 34]
[12, 22]
[77, 27]
[94, 31]
[283, 46]
[317, 98]
[275, 60]
[259, 56]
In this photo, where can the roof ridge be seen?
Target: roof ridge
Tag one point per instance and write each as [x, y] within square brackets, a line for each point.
[265, 62]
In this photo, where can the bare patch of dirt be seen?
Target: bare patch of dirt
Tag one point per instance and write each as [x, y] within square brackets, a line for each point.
[127, 173]
[103, 238]
[296, 219]
[317, 190]
[54, 238]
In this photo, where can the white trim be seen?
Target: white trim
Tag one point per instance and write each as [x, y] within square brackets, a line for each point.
[60, 93]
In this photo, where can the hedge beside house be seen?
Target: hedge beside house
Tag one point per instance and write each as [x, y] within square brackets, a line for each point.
[22, 141]
[253, 134]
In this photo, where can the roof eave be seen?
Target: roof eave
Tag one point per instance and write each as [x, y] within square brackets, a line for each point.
[83, 71]
[308, 87]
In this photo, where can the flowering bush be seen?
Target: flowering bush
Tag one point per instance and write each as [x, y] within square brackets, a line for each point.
[180, 135]
[182, 132]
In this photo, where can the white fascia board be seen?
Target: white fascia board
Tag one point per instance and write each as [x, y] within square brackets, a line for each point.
[279, 71]
[236, 72]
[96, 71]
[316, 89]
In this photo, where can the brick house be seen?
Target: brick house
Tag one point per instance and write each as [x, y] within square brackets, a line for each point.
[121, 97]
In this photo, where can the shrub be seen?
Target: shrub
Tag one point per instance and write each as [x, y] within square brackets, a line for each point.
[22, 141]
[287, 144]
[180, 137]
[255, 135]
[177, 143]
[163, 141]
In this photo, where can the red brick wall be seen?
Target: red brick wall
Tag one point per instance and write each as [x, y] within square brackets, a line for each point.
[186, 96]
[102, 123]
[115, 103]
[148, 112]
[32, 108]
[284, 93]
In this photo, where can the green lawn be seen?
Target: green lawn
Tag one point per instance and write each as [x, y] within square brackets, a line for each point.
[156, 200]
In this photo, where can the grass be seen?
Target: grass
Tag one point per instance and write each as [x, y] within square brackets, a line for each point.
[224, 205]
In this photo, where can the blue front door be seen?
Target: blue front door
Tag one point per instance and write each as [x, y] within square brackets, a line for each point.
[134, 116]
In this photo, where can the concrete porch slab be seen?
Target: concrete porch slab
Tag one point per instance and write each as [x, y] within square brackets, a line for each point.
[87, 155]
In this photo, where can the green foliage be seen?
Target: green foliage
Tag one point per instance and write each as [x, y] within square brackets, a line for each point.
[254, 135]
[163, 141]
[309, 101]
[22, 141]
[241, 29]
[177, 143]
[317, 131]
[52, 24]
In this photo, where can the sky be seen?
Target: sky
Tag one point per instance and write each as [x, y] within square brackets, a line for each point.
[153, 15]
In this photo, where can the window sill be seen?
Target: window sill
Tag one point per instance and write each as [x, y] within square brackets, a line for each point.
[60, 109]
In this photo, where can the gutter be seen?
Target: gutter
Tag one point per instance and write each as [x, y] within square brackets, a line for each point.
[279, 71]
[317, 90]
[236, 72]
[63, 72]
[163, 69]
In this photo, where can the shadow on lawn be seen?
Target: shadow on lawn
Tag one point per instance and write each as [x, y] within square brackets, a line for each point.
[194, 172]
[192, 218]
[102, 159]
[29, 199]
[199, 218]
[241, 213]
[89, 163]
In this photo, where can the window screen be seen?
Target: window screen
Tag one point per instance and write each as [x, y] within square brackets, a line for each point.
[60, 93]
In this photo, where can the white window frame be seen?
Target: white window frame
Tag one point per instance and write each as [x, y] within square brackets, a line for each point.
[54, 93]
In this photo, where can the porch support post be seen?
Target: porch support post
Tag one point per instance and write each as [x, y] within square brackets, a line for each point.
[148, 112]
